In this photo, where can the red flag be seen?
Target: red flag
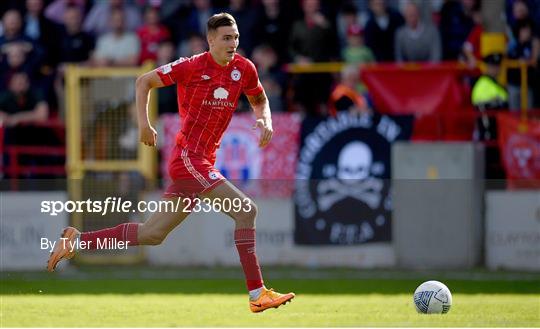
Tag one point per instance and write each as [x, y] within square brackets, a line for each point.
[434, 93]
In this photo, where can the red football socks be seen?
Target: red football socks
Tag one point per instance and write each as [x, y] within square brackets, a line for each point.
[126, 232]
[244, 239]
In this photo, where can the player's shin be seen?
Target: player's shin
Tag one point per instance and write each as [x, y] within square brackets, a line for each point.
[124, 233]
[244, 240]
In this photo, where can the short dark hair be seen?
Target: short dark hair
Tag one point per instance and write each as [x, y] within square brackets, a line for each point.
[218, 20]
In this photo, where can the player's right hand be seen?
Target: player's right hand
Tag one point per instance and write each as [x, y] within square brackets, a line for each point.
[148, 135]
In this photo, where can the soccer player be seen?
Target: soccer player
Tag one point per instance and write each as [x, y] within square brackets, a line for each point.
[208, 85]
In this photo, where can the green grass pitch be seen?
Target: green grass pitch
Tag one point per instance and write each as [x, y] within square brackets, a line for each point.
[55, 301]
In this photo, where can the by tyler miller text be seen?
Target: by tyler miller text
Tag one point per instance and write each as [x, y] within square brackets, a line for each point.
[105, 243]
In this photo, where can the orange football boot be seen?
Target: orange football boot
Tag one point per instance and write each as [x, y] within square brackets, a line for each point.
[269, 299]
[62, 248]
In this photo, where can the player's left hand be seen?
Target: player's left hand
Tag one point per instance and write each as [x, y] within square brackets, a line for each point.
[266, 132]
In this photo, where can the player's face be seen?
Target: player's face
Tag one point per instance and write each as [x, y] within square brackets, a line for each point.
[223, 43]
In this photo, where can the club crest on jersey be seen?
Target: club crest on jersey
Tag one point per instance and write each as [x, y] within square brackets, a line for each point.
[205, 77]
[236, 75]
[221, 93]
[213, 175]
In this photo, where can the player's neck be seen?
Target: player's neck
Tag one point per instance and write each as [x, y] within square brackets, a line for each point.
[218, 61]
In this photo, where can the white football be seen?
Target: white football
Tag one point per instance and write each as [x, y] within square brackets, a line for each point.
[432, 297]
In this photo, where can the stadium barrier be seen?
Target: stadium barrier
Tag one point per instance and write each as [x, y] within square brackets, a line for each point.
[49, 143]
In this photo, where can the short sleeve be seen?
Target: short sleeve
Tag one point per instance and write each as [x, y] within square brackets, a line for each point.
[175, 72]
[252, 85]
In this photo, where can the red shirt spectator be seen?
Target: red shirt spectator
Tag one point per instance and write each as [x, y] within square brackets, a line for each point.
[471, 46]
[151, 34]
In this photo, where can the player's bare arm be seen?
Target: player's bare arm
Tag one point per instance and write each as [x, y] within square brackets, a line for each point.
[143, 85]
[261, 107]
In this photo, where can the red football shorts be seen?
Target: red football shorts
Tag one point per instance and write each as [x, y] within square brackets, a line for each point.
[191, 174]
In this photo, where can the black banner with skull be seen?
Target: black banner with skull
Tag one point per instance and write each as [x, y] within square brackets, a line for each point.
[342, 192]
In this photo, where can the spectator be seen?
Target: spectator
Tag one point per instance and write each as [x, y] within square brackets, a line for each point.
[455, 25]
[272, 78]
[345, 96]
[98, 19]
[166, 95]
[165, 53]
[14, 43]
[355, 52]
[12, 29]
[151, 34]
[520, 17]
[191, 20]
[520, 10]
[118, 47]
[525, 48]
[273, 26]
[312, 40]
[40, 29]
[77, 45]
[245, 18]
[380, 30]
[265, 59]
[471, 47]
[488, 94]
[417, 41]
[56, 10]
[21, 104]
[346, 18]
[15, 57]
[195, 44]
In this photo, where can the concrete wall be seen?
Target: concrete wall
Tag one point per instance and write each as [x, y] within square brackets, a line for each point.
[437, 199]
[438, 229]
[22, 225]
[513, 230]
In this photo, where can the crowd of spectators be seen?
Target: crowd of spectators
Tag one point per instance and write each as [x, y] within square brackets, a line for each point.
[38, 37]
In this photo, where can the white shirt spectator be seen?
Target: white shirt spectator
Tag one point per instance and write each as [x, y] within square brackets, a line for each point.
[98, 18]
[117, 47]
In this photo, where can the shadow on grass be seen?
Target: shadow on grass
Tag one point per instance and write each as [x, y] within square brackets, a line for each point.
[60, 286]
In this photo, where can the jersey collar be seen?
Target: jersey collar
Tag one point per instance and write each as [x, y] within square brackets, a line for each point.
[215, 64]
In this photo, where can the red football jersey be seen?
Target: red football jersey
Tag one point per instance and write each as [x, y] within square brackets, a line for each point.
[208, 94]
